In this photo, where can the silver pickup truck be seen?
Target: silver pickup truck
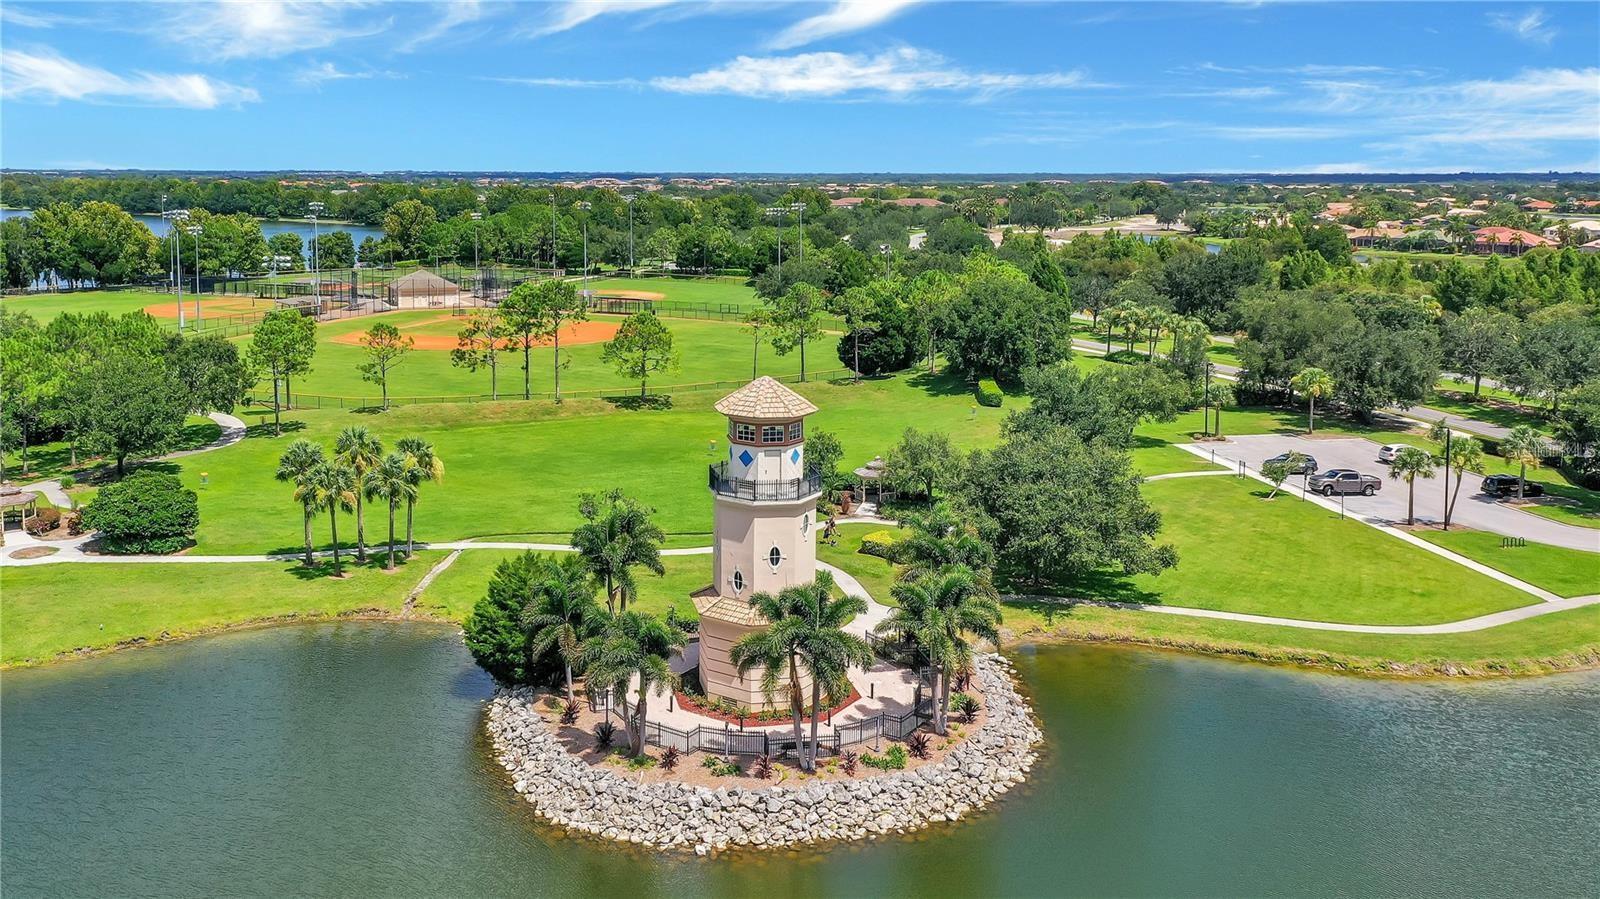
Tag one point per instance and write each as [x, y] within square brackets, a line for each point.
[1344, 480]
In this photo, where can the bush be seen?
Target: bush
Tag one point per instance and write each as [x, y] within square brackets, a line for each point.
[147, 512]
[669, 759]
[988, 393]
[42, 522]
[494, 633]
[849, 760]
[604, 733]
[965, 705]
[918, 743]
[893, 760]
[761, 768]
[880, 543]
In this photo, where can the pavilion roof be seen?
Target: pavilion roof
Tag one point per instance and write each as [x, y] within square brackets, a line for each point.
[764, 399]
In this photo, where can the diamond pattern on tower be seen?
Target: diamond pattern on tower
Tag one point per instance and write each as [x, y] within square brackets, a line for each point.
[794, 456]
[746, 458]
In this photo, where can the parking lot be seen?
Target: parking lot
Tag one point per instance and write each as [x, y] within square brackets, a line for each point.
[1473, 510]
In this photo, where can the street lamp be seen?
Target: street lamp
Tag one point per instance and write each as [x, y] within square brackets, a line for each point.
[801, 209]
[553, 236]
[194, 231]
[886, 251]
[175, 232]
[476, 264]
[316, 249]
[778, 211]
[629, 198]
[1210, 366]
[584, 206]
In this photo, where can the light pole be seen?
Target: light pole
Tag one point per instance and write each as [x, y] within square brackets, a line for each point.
[476, 264]
[1447, 436]
[885, 250]
[552, 234]
[170, 274]
[801, 209]
[629, 198]
[584, 207]
[1207, 426]
[778, 211]
[316, 250]
[194, 231]
[176, 233]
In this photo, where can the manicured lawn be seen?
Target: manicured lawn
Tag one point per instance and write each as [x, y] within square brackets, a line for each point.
[1495, 411]
[709, 351]
[458, 588]
[1564, 572]
[52, 460]
[713, 291]
[46, 306]
[518, 467]
[50, 609]
[874, 573]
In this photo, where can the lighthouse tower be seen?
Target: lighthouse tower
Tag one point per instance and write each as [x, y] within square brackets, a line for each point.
[764, 528]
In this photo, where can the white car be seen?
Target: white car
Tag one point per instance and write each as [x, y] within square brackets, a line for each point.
[1388, 451]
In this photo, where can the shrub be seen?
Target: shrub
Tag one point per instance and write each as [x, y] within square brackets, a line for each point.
[893, 760]
[965, 705]
[880, 543]
[147, 512]
[917, 743]
[762, 768]
[604, 733]
[849, 762]
[640, 762]
[68, 482]
[42, 522]
[720, 768]
[569, 712]
[75, 524]
[669, 758]
[494, 633]
[988, 393]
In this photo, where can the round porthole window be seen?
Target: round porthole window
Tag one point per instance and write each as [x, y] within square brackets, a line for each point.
[774, 557]
[805, 524]
[738, 581]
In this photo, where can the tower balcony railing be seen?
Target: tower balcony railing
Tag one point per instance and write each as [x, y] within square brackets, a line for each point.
[741, 488]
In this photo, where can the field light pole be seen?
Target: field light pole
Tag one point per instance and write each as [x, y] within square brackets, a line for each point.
[476, 264]
[584, 207]
[778, 211]
[629, 198]
[316, 250]
[801, 209]
[553, 236]
[885, 250]
[169, 229]
[176, 233]
[194, 231]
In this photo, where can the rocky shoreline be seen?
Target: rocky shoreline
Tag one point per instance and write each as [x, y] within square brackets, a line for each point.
[569, 792]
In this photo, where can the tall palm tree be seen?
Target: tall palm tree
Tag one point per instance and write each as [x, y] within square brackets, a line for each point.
[334, 486]
[632, 645]
[391, 481]
[562, 612]
[805, 630]
[359, 449]
[939, 538]
[1409, 464]
[1526, 447]
[617, 535]
[424, 466]
[1466, 454]
[1313, 384]
[937, 612]
[299, 459]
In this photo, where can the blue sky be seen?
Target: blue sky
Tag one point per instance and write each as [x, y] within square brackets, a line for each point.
[883, 86]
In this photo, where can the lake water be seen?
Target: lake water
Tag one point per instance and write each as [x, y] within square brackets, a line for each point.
[159, 226]
[348, 759]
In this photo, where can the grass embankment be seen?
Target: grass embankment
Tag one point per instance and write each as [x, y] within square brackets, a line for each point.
[1562, 571]
[54, 609]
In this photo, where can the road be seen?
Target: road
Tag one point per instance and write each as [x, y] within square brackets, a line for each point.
[1473, 509]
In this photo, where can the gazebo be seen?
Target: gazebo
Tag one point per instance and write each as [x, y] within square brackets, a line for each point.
[13, 498]
[869, 477]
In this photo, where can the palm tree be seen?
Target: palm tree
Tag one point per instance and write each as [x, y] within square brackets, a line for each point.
[939, 538]
[1409, 464]
[359, 449]
[1313, 384]
[632, 645]
[1526, 447]
[562, 613]
[424, 465]
[1466, 454]
[936, 613]
[804, 630]
[299, 459]
[391, 481]
[617, 534]
[334, 486]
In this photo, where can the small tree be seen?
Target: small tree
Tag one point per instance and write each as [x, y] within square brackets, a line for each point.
[937, 612]
[634, 646]
[561, 613]
[856, 307]
[557, 305]
[391, 481]
[423, 465]
[1313, 384]
[133, 405]
[478, 346]
[1408, 465]
[642, 345]
[385, 347]
[295, 466]
[796, 320]
[358, 449]
[282, 346]
[1526, 447]
[1278, 472]
[921, 462]
[334, 486]
[756, 320]
[148, 512]
[521, 318]
[616, 536]
[1465, 454]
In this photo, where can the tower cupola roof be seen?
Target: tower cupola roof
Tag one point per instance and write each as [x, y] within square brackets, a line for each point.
[764, 399]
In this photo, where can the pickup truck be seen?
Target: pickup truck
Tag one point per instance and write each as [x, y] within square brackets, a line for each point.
[1344, 480]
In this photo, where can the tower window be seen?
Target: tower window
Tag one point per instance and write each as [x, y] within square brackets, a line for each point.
[772, 433]
[744, 433]
[794, 431]
[774, 557]
[738, 581]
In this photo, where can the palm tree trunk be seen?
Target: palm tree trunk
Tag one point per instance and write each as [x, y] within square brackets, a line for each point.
[795, 704]
[411, 506]
[1522, 475]
[1411, 500]
[944, 702]
[939, 725]
[333, 524]
[361, 533]
[309, 562]
[569, 681]
[637, 737]
[816, 712]
[391, 535]
[527, 369]
[1311, 427]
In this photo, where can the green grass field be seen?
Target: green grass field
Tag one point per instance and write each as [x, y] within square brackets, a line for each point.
[709, 351]
[1492, 409]
[54, 459]
[713, 291]
[45, 307]
[1564, 572]
[875, 574]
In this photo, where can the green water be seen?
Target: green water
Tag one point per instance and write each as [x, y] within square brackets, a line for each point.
[346, 759]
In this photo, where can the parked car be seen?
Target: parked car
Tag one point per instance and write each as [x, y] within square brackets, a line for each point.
[1307, 466]
[1345, 481]
[1388, 452]
[1506, 485]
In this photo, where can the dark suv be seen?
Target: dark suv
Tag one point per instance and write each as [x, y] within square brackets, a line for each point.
[1308, 465]
[1506, 485]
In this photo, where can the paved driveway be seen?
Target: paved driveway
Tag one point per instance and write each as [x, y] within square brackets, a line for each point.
[1473, 510]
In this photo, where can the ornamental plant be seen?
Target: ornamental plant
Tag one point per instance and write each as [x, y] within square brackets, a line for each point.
[147, 512]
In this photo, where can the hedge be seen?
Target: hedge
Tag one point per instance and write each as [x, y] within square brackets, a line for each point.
[988, 393]
[880, 543]
[147, 512]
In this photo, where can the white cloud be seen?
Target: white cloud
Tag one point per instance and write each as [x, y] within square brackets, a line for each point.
[1532, 26]
[844, 17]
[46, 75]
[228, 29]
[572, 13]
[570, 82]
[23, 17]
[900, 73]
[319, 74]
[450, 15]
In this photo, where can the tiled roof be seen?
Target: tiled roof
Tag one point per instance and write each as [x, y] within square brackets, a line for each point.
[764, 399]
[727, 608]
